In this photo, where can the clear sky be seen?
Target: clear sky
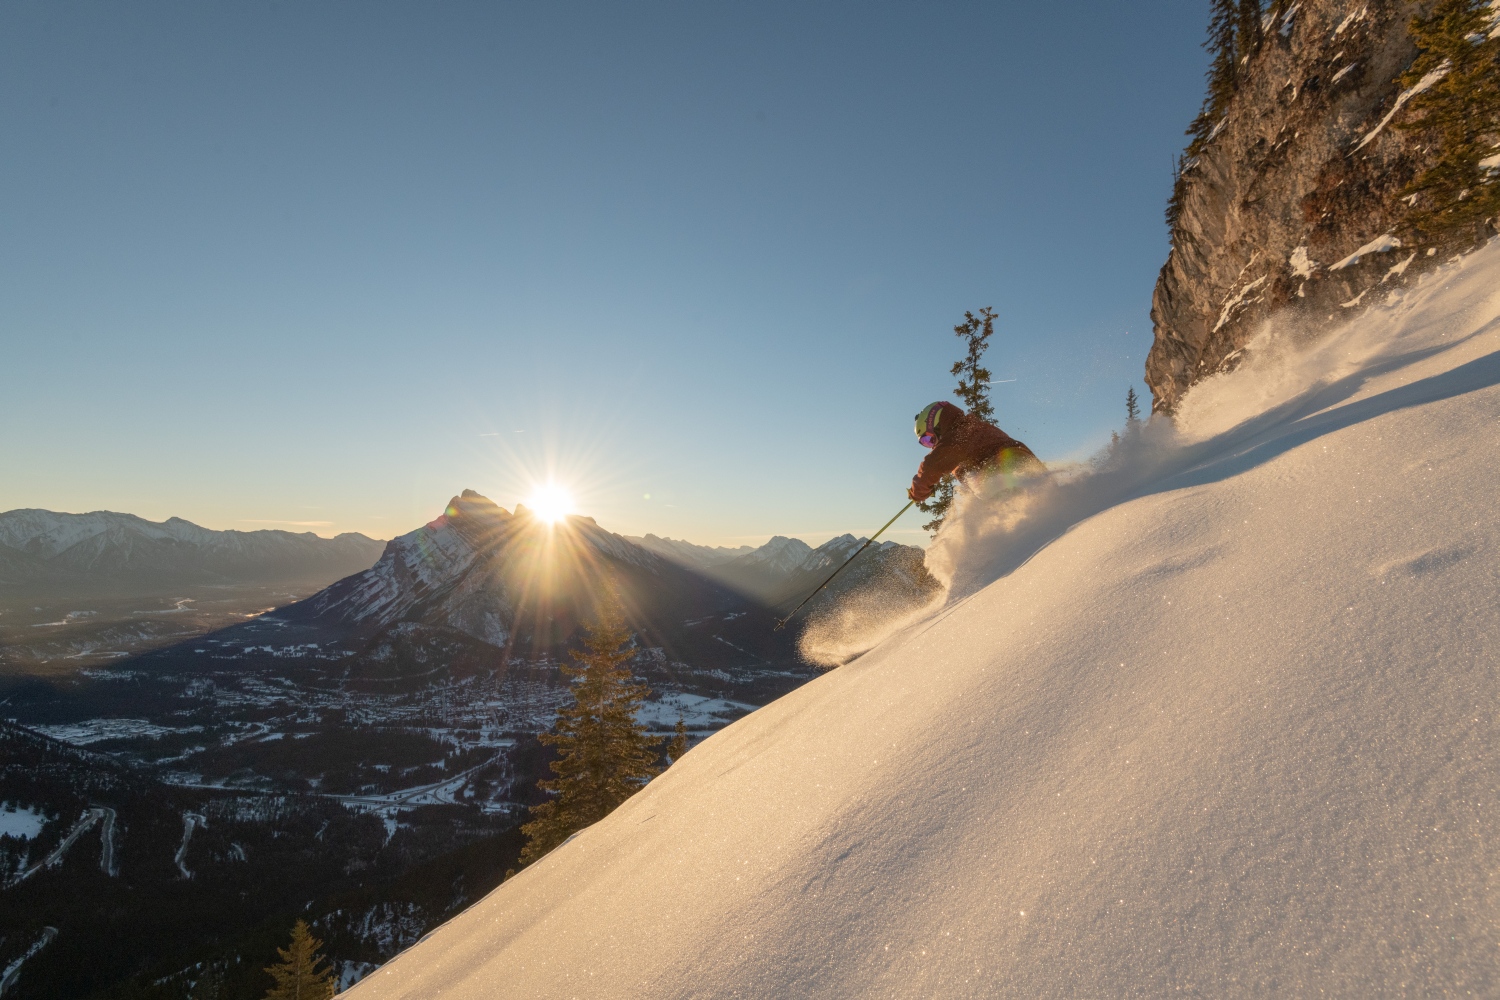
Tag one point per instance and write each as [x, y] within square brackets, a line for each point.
[330, 263]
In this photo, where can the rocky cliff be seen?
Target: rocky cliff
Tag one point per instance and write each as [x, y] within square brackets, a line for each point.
[1296, 199]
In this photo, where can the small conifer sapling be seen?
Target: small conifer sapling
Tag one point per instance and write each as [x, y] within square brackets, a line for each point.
[679, 744]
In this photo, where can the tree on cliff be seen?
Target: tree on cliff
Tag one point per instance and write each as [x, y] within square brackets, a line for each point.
[1248, 33]
[1221, 71]
[974, 391]
[299, 975]
[1459, 115]
[1223, 78]
[604, 754]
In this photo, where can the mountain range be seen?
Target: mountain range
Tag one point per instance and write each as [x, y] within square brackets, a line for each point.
[108, 552]
[521, 585]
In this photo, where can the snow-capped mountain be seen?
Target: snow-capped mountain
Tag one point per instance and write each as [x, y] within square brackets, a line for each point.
[517, 583]
[104, 549]
[686, 553]
[1212, 717]
[784, 570]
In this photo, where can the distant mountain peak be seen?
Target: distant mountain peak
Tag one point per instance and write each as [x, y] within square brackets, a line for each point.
[105, 550]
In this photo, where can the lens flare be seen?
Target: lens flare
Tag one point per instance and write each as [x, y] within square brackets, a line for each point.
[550, 503]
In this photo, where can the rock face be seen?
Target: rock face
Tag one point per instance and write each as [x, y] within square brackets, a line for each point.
[1302, 174]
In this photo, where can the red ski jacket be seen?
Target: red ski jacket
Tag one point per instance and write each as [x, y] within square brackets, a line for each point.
[967, 445]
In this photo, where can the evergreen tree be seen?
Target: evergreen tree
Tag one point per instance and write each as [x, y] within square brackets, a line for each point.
[1248, 34]
[1222, 74]
[298, 975]
[1132, 406]
[604, 754]
[974, 391]
[1459, 115]
[210, 985]
[679, 744]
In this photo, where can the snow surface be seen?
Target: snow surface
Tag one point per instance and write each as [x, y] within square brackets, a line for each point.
[1215, 716]
[1380, 244]
[14, 822]
[1421, 86]
[1302, 265]
[1346, 22]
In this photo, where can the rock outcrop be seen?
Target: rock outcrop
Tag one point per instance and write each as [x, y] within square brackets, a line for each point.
[1294, 204]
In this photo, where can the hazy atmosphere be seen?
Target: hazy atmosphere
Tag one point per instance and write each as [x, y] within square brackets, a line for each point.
[321, 267]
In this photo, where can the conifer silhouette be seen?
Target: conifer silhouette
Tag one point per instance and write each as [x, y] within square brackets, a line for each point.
[209, 986]
[679, 744]
[604, 754]
[974, 391]
[1222, 72]
[298, 975]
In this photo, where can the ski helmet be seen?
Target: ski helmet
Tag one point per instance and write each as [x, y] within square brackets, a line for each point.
[927, 424]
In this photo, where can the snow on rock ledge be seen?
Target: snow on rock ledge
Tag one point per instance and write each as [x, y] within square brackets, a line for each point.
[1235, 736]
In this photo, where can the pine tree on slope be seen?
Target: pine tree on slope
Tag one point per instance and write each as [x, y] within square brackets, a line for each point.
[974, 391]
[298, 975]
[604, 754]
[1459, 115]
[679, 744]
[210, 985]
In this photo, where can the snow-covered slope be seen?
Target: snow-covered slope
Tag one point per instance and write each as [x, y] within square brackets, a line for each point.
[1216, 718]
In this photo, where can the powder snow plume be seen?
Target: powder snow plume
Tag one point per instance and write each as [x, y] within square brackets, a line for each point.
[1284, 376]
[859, 620]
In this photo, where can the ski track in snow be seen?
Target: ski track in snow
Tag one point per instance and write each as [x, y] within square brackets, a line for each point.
[1213, 716]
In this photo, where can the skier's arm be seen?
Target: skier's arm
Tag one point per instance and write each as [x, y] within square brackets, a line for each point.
[942, 460]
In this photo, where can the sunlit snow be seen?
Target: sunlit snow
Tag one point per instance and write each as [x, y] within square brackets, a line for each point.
[1212, 716]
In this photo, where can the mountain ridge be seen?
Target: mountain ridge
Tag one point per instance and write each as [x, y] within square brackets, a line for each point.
[107, 549]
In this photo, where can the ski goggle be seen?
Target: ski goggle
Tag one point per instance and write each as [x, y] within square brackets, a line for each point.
[928, 440]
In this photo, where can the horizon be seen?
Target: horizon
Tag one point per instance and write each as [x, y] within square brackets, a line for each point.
[303, 268]
[311, 527]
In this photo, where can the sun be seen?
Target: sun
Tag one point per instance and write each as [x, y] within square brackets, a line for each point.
[550, 503]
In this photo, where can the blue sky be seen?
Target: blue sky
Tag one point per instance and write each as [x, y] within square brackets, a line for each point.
[269, 263]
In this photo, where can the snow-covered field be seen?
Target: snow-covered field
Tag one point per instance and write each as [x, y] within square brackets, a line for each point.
[94, 730]
[1215, 718]
[24, 822]
[696, 711]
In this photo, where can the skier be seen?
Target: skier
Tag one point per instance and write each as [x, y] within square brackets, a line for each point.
[967, 446]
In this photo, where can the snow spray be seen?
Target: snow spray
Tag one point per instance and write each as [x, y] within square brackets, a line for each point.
[1284, 374]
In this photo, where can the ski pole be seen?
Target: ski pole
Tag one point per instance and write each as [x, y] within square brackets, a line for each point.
[782, 624]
